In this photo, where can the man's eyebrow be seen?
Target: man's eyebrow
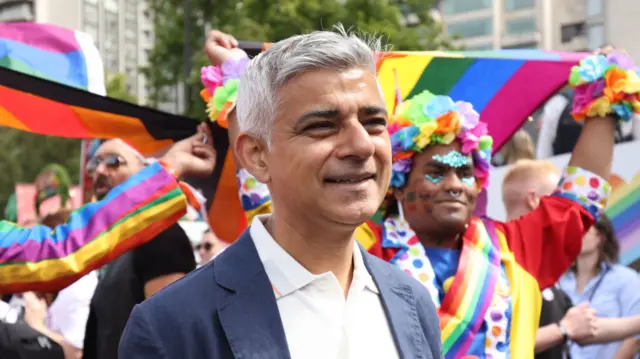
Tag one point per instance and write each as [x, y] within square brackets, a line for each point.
[330, 114]
[374, 110]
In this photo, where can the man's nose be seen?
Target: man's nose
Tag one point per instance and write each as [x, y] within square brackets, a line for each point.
[355, 141]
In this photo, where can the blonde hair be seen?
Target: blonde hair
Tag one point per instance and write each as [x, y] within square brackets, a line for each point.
[523, 176]
[520, 146]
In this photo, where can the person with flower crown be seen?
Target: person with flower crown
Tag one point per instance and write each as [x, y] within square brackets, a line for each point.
[485, 276]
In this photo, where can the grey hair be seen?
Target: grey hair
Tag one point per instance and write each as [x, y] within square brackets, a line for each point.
[272, 69]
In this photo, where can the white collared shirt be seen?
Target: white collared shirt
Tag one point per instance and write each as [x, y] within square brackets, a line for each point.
[318, 321]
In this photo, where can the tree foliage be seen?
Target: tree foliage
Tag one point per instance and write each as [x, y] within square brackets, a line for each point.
[271, 20]
[117, 88]
[25, 154]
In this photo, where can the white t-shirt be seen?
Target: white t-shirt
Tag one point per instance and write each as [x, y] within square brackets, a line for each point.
[69, 312]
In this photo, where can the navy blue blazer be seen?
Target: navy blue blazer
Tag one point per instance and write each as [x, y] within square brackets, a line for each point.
[227, 309]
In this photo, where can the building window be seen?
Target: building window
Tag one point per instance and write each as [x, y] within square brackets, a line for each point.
[524, 45]
[523, 25]
[452, 7]
[471, 28]
[111, 5]
[515, 5]
[594, 8]
[595, 36]
[569, 32]
[16, 12]
[482, 47]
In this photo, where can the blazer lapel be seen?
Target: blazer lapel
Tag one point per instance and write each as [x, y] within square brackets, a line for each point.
[400, 306]
[249, 315]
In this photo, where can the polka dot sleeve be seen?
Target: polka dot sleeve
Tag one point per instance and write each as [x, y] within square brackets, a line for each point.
[254, 195]
[586, 188]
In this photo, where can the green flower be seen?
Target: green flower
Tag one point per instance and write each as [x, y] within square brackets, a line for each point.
[415, 111]
[225, 93]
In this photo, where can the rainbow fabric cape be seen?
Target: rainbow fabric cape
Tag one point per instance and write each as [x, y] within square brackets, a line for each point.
[624, 211]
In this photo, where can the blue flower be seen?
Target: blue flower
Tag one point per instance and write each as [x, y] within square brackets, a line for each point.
[404, 138]
[438, 106]
[593, 68]
[397, 179]
[624, 111]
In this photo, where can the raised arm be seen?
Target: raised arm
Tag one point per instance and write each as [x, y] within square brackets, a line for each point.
[547, 241]
[46, 260]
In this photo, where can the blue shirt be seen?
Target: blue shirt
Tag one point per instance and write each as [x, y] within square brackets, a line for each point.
[617, 295]
[445, 265]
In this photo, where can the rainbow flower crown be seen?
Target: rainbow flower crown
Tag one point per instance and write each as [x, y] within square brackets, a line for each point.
[605, 85]
[221, 88]
[427, 119]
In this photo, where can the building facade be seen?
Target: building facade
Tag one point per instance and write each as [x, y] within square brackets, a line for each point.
[121, 29]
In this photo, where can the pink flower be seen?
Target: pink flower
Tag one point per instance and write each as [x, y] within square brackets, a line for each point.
[470, 138]
[585, 94]
[211, 77]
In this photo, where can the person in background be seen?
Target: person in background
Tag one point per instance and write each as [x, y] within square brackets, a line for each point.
[610, 288]
[209, 247]
[149, 201]
[520, 146]
[135, 275]
[523, 186]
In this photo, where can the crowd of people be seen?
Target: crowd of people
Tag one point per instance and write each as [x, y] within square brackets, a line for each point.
[317, 155]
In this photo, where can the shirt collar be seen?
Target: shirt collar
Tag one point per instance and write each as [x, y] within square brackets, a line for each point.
[287, 275]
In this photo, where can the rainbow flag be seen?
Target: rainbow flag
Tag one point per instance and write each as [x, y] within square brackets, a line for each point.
[624, 211]
[52, 53]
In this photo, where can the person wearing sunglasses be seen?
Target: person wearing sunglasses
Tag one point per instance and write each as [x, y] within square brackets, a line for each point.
[135, 205]
[209, 247]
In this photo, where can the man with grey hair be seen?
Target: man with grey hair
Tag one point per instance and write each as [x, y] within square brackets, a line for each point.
[312, 124]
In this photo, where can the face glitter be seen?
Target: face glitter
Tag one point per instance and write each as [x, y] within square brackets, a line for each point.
[453, 159]
[434, 180]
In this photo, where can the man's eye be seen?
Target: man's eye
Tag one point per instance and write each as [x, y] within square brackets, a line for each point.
[319, 126]
[376, 122]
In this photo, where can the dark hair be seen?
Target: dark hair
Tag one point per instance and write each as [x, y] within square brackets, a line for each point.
[610, 248]
[55, 219]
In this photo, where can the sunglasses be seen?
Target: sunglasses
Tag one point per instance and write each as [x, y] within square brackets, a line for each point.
[207, 246]
[111, 161]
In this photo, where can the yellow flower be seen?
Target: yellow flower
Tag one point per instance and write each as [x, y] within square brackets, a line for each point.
[599, 107]
[632, 84]
[423, 138]
[448, 138]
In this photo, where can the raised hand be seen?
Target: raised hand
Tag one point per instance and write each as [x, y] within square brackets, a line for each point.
[193, 156]
[220, 46]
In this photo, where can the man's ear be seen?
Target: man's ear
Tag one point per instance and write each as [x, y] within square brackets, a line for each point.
[532, 200]
[251, 152]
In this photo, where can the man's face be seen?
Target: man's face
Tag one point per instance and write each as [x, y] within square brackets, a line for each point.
[210, 247]
[112, 164]
[441, 191]
[330, 157]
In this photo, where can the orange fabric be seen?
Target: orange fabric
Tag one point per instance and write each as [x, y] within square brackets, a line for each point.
[226, 214]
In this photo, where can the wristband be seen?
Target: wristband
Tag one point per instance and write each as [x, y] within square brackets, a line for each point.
[169, 169]
[563, 331]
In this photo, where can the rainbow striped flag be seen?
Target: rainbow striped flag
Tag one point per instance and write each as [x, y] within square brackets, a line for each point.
[624, 211]
[52, 53]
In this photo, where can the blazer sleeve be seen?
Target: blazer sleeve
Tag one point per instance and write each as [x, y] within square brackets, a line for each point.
[47, 259]
[139, 339]
[546, 241]
[430, 323]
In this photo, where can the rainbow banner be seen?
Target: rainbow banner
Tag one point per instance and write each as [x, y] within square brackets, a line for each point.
[52, 53]
[624, 211]
[504, 86]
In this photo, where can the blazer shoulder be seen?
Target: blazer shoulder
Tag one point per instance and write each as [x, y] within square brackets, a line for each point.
[188, 292]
